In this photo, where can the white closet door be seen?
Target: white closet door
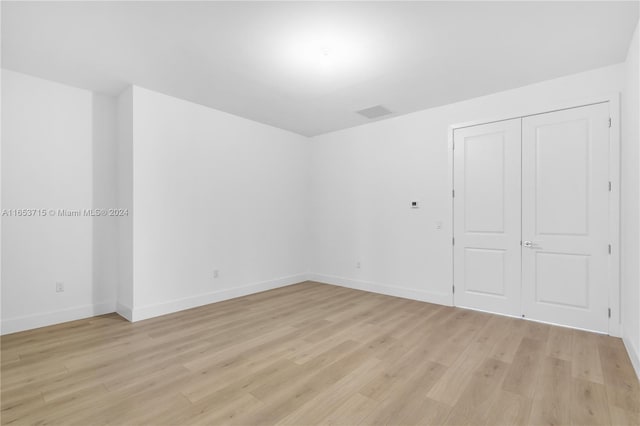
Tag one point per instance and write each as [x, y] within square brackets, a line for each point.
[487, 217]
[565, 193]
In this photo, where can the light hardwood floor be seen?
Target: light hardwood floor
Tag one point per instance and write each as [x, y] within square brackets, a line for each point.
[316, 354]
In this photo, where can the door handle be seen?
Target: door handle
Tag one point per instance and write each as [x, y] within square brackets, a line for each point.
[529, 244]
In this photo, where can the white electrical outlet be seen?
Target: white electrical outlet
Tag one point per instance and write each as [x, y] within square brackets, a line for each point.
[215, 273]
[357, 265]
[59, 287]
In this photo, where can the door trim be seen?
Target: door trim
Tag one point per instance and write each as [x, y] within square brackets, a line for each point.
[615, 326]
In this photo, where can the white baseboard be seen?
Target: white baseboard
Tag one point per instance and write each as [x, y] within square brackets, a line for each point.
[633, 355]
[389, 290]
[13, 325]
[151, 311]
[124, 311]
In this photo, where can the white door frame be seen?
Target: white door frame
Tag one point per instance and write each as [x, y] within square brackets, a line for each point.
[615, 327]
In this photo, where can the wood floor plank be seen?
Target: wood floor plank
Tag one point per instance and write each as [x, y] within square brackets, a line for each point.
[586, 361]
[537, 331]
[552, 398]
[622, 389]
[509, 409]
[621, 417]
[523, 372]
[589, 404]
[480, 393]
[266, 391]
[406, 397]
[454, 380]
[506, 348]
[315, 354]
[353, 412]
[302, 389]
[16, 410]
[396, 374]
[560, 343]
[317, 409]
[450, 340]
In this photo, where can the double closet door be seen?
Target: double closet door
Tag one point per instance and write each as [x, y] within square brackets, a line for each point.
[531, 217]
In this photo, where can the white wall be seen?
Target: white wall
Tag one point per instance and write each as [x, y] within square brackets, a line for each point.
[630, 221]
[49, 132]
[104, 196]
[236, 200]
[212, 191]
[364, 178]
[124, 196]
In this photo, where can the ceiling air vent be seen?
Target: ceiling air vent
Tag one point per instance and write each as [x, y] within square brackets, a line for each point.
[374, 112]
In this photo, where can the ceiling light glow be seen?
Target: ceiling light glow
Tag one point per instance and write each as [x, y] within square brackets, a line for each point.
[322, 53]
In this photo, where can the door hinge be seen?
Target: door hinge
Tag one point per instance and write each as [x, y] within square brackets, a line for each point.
[453, 241]
[609, 121]
[453, 145]
[609, 312]
[609, 186]
[453, 193]
[609, 248]
[453, 289]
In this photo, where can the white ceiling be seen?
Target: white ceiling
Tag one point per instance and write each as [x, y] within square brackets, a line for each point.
[309, 66]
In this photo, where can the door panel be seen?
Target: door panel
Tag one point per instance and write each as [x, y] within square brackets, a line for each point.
[484, 271]
[562, 279]
[565, 196]
[487, 217]
[484, 183]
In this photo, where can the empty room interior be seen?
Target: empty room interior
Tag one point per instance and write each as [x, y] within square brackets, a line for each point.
[305, 213]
